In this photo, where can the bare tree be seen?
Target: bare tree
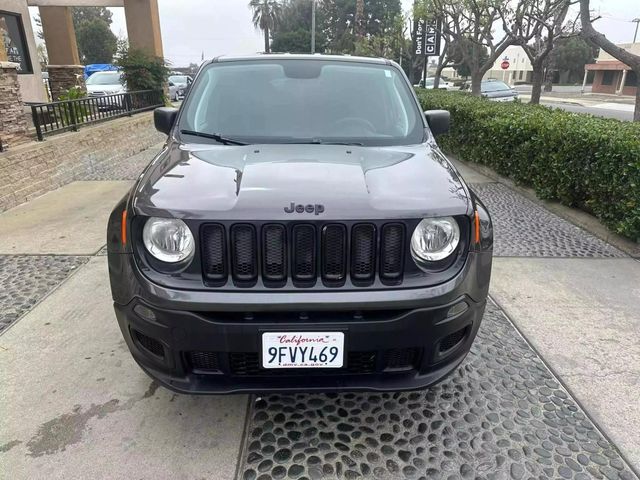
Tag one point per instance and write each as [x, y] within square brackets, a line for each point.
[472, 25]
[592, 35]
[542, 21]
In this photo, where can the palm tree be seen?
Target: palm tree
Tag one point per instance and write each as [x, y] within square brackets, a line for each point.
[359, 18]
[266, 14]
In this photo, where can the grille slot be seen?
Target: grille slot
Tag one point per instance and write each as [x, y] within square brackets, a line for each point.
[392, 252]
[244, 253]
[334, 254]
[452, 340]
[247, 364]
[303, 268]
[401, 358]
[149, 344]
[214, 254]
[274, 253]
[297, 254]
[363, 253]
[204, 361]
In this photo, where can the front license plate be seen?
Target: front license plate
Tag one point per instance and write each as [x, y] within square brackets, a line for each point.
[302, 349]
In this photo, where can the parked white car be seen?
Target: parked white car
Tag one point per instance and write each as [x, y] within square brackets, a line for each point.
[443, 85]
[101, 84]
[178, 85]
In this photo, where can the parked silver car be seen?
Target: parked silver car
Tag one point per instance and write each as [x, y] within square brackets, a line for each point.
[498, 91]
[178, 85]
[109, 85]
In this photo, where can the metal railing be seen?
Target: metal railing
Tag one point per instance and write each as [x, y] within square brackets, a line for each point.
[64, 115]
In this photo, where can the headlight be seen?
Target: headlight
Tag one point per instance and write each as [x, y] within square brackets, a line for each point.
[168, 239]
[434, 239]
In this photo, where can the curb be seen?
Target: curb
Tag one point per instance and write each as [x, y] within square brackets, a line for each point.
[579, 218]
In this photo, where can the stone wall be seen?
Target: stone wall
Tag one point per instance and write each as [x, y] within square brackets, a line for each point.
[30, 170]
[64, 77]
[13, 126]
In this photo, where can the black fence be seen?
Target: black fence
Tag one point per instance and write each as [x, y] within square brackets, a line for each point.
[54, 117]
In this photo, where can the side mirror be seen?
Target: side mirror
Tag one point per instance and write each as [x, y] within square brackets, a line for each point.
[171, 84]
[438, 120]
[164, 118]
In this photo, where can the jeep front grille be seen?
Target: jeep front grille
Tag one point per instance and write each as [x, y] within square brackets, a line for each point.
[303, 254]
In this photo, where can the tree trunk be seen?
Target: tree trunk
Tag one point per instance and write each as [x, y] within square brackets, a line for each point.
[548, 81]
[436, 76]
[266, 40]
[536, 83]
[476, 83]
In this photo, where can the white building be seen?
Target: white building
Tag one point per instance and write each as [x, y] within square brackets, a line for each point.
[518, 71]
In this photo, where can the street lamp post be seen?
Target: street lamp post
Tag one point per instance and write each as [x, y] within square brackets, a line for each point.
[637, 22]
[313, 26]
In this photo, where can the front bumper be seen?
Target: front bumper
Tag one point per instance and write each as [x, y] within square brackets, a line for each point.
[209, 342]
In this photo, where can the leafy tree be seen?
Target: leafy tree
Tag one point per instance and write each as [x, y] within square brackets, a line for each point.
[456, 52]
[297, 41]
[292, 33]
[266, 15]
[571, 55]
[87, 14]
[96, 42]
[142, 71]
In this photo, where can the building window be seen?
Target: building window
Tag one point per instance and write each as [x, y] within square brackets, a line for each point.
[14, 42]
[608, 76]
[521, 74]
[632, 79]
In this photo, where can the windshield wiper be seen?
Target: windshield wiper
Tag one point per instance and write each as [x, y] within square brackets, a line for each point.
[322, 142]
[213, 136]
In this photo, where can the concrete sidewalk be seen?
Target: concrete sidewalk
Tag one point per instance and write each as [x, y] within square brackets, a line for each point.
[76, 406]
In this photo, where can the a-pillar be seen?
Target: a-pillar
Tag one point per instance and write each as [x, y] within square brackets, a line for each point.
[143, 26]
[13, 124]
[65, 70]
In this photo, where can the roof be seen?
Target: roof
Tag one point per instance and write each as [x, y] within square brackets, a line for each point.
[607, 65]
[300, 56]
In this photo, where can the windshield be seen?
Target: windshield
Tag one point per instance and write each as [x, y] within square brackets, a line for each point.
[178, 79]
[494, 86]
[104, 78]
[302, 101]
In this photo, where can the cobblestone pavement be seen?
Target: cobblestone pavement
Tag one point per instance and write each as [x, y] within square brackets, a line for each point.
[26, 279]
[128, 169]
[524, 229]
[502, 414]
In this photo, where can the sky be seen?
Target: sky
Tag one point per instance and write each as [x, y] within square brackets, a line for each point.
[191, 28]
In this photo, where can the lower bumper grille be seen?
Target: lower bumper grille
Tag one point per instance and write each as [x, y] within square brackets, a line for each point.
[247, 364]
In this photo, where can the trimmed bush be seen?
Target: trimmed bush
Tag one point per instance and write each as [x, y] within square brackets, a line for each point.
[582, 161]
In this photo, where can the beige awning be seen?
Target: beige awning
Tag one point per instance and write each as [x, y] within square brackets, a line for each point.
[607, 65]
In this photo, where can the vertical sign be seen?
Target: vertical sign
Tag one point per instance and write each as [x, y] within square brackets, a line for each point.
[427, 41]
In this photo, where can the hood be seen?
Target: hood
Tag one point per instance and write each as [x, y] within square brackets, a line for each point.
[263, 181]
[108, 89]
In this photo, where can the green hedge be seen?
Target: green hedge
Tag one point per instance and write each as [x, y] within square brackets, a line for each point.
[582, 161]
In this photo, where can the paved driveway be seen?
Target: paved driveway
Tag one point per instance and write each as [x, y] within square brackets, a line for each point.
[557, 351]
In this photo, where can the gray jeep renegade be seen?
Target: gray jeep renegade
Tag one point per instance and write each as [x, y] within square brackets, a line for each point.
[299, 231]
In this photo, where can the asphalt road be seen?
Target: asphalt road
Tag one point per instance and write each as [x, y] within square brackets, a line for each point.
[615, 112]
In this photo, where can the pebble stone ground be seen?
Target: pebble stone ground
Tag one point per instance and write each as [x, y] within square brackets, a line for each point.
[27, 279]
[524, 229]
[502, 414]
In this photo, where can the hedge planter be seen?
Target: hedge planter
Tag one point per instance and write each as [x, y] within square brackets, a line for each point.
[583, 161]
